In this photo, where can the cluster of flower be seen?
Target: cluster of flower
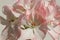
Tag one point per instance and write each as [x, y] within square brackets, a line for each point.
[36, 19]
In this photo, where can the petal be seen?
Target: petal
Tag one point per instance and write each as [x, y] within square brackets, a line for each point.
[57, 29]
[57, 15]
[7, 11]
[44, 30]
[3, 21]
[17, 31]
[54, 35]
[39, 18]
[53, 3]
[39, 34]
[18, 8]
[40, 10]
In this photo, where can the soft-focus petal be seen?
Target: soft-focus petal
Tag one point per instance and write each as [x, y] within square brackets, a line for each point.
[40, 10]
[3, 21]
[17, 31]
[18, 8]
[57, 29]
[7, 11]
[54, 35]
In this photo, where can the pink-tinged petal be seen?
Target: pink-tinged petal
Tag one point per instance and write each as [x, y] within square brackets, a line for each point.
[18, 8]
[53, 34]
[34, 38]
[3, 21]
[38, 34]
[40, 10]
[32, 3]
[57, 15]
[57, 29]
[29, 4]
[17, 32]
[44, 29]
[7, 11]
[53, 3]
[28, 15]
[4, 34]
[39, 18]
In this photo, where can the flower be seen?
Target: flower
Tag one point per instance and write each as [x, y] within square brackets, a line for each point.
[9, 22]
